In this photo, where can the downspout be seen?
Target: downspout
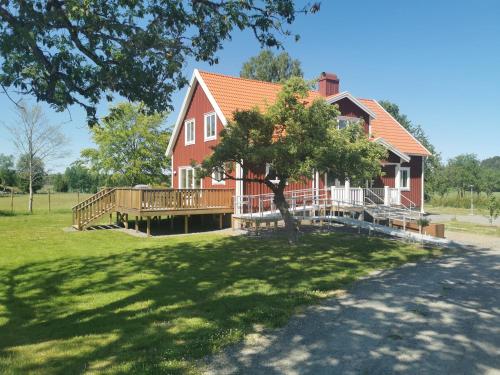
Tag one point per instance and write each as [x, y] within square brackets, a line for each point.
[422, 187]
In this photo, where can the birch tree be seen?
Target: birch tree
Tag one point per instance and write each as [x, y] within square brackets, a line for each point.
[36, 140]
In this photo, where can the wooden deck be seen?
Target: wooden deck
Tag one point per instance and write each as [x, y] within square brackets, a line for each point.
[147, 203]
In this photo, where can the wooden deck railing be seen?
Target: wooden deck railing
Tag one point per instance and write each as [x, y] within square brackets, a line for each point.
[93, 207]
[144, 201]
[173, 199]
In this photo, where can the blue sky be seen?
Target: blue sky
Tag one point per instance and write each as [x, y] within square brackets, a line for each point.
[439, 61]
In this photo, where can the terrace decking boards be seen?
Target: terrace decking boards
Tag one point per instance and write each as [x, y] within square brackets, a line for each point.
[147, 203]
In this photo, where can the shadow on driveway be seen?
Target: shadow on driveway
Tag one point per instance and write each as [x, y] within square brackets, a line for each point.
[436, 317]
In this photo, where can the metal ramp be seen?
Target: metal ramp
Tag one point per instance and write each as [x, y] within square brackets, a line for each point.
[329, 204]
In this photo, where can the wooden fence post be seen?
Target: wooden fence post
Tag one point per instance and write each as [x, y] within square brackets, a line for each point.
[49, 200]
[12, 200]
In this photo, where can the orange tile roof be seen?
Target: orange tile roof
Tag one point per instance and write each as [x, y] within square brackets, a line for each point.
[385, 126]
[233, 93]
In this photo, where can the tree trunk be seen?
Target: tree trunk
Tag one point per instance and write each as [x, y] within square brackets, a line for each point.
[290, 222]
[30, 202]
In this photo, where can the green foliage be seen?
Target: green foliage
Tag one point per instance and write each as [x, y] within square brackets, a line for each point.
[491, 163]
[79, 52]
[59, 183]
[23, 172]
[271, 68]
[130, 147]
[81, 178]
[433, 164]
[493, 208]
[464, 171]
[7, 171]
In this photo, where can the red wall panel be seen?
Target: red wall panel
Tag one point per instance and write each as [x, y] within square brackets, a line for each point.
[184, 155]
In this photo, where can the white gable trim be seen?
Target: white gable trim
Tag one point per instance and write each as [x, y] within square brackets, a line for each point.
[196, 77]
[393, 149]
[406, 130]
[345, 94]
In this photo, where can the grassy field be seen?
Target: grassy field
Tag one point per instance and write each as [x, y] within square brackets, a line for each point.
[460, 226]
[58, 202]
[104, 301]
[452, 210]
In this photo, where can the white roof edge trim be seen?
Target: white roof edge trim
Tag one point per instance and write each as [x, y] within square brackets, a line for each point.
[406, 130]
[393, 149]
[346, 94]
[196, 77]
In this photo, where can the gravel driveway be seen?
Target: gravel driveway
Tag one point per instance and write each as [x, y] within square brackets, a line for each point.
[436, 317]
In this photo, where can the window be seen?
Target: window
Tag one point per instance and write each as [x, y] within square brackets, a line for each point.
[218, 177]
[404, 178]
[210, 127]
[188, 178]
[189, 132]
[345, 121]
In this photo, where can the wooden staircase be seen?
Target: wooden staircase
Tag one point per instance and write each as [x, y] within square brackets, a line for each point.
[93, 208]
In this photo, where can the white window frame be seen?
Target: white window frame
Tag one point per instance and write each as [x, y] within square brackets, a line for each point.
[215, 181]
[187, 123]
[398, 178]
[192, 183]
[214, 136]
[350, 119]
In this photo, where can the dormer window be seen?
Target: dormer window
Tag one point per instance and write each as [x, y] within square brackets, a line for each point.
[345, 121]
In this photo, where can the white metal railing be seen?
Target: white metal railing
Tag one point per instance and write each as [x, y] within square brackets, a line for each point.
[394, 196]
[382, 201]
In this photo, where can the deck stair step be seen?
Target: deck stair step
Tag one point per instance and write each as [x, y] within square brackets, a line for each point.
[93, 208]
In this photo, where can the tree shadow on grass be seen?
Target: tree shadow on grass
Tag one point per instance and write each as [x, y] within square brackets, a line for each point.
[157, 309]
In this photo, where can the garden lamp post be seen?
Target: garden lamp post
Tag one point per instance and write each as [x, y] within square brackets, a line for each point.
[471, 201]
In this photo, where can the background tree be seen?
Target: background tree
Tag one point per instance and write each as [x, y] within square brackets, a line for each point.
[37, 141]
[463, 171]
[491, 163]
[67, 52]
[433, 163]
[295, 139]
[271, 68]
[31, 174]
[81, 178]
[130, 146]
[7, 171]
[59, 183]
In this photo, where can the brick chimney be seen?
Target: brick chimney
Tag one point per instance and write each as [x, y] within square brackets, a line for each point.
[328, 84]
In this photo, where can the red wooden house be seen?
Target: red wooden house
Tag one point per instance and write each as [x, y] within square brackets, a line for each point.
[212, 98]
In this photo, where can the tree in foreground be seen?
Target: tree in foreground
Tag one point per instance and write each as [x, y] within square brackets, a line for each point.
[130, 146]
[271, 68]
[68, 52]
[31, 174]
[295, 139]
[37, 141]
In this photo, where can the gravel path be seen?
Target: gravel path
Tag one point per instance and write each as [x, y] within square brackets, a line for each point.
[436, 317]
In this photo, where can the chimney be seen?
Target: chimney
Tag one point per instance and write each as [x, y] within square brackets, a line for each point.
[328, 84]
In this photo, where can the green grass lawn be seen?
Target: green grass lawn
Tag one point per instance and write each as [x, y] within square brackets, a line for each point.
[452, 210]
[460, 226]
[104, 301]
